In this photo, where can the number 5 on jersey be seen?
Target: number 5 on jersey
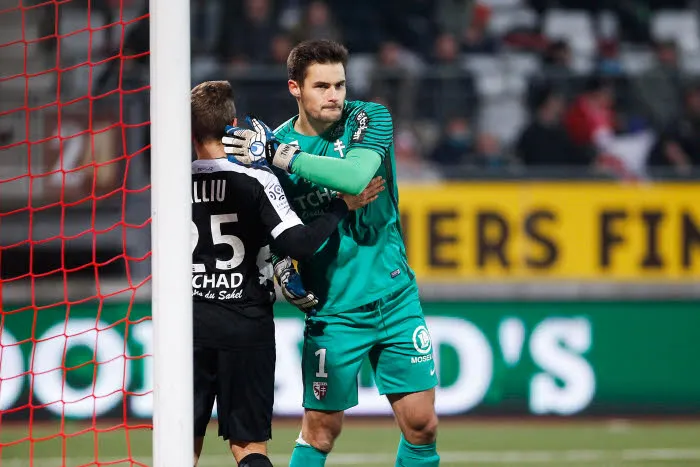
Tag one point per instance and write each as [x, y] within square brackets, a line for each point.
[238, 250]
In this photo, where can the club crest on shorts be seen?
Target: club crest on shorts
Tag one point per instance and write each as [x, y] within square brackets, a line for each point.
[421, 340]
[320, 389]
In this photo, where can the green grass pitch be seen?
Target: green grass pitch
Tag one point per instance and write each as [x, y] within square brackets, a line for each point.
[370, 443]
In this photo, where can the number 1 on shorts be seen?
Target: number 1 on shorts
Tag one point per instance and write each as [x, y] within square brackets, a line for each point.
[321, 354]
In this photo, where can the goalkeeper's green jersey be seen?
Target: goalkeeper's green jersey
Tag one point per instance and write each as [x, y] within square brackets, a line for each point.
[365, 259]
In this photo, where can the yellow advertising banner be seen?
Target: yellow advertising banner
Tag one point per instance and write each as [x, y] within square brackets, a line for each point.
[528, 231]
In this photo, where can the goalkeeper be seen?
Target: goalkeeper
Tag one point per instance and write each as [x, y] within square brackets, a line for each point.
[368, 296]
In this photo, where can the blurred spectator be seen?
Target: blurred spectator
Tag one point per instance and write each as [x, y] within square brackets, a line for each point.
[456, 145]
[205, 29]
[317, 23]
[291, 13]
[489, 152]
[590, 123]
[205, 26]
[453, 16]
[476, 38]
[129, 68]
[279, 49]
[410, 166]
[659, 90]
[557, 72]
[415, 27]
[392, 81]
[545, 141]
[557, 59]
[590, 119]
[361, 24]
[679, 145]
[247, 32]
[446, 89]
[446, 50]
[609, 63]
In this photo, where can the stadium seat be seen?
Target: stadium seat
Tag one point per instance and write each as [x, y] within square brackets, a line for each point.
[488, 73]
[503, 117]
[690, 63]
[680, 26]
[636, 61]
[517, 69]
[523, 63]
[358, 72]
[73, 45]
[496, 4]
[607, 25]
[508, 19]
[573, 26]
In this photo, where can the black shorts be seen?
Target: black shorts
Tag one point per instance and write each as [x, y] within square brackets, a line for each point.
[243, 382]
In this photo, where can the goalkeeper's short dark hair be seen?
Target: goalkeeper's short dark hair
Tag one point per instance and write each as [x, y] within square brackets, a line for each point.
[309, 52]
[212, 109]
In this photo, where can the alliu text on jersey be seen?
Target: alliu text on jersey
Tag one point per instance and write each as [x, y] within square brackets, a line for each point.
[205, 191]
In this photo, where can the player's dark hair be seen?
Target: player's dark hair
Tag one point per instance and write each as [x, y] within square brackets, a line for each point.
[212, 109]
[309, 52]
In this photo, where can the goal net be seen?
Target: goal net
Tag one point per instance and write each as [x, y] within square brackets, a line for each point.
[75, 335]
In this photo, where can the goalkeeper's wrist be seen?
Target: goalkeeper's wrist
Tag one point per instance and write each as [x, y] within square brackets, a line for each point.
[284, 156]
[294, 163]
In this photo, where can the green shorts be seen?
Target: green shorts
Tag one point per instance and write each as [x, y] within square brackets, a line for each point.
[391, 331]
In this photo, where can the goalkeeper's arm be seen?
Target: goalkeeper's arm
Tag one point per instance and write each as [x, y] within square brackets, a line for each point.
[372, 135]
[302, 241]
[349, 175]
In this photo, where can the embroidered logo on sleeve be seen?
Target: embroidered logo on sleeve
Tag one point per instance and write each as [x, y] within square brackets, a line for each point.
[362, 121]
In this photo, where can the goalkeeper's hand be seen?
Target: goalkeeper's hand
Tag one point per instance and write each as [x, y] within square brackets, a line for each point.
[257, 146]
[292, 288]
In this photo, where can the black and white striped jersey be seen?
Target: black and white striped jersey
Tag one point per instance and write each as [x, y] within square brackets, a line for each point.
[236, 212]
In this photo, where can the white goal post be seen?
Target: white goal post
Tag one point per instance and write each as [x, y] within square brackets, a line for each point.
[171, 263]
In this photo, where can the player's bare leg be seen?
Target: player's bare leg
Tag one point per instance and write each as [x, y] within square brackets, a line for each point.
[250, 454]
[319, 430]
[198, 443]
[415, 414]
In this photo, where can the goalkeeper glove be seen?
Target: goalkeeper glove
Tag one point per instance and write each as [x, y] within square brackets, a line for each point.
[257, 146]
[292, 288]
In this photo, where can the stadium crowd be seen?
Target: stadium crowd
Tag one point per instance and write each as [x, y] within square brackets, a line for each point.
[478, 88]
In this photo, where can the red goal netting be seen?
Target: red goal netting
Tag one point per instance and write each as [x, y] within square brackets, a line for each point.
[75, 329]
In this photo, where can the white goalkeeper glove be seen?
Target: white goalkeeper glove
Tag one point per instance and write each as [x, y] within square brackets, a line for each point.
[257, 146]
[292, 288]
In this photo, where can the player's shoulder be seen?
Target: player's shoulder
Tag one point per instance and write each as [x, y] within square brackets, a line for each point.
[285, 128]
[354, 109]
[360, 115]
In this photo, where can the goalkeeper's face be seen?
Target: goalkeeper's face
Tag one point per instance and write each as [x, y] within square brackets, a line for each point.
[322, 93]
